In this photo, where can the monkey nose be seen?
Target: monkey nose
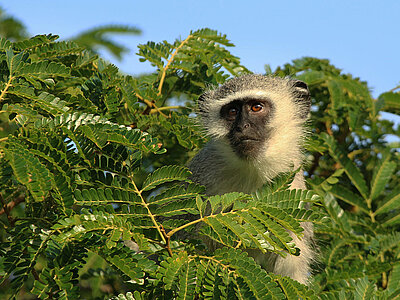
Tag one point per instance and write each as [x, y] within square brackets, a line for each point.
[241, 127]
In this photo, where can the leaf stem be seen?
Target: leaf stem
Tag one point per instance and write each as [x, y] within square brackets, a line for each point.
[169, 234]
[372, 215]
[144, 203]
[169, 63]
[8, 84]
[213, 259]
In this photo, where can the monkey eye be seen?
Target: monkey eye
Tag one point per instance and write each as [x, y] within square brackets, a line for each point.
[256, 107]
[232, 112]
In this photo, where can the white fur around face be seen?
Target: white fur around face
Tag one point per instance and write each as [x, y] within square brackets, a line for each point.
[281, 152]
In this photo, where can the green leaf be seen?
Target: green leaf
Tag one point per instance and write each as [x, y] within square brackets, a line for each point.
[128, 296]
[29, 171]
[165, 174]
[336, 94]
[391, 102]
[212, 35]
[337, 214]
[382, 174]
[57, 49]
[179, 207]
[344, 194]
[14, 62]
[101, 134]
[170, 268]
[312, 77]
[105, 196]
[280, 183]
[293, 289]
[4, 43]
[390, 202]
[285, 199]
[46, 68]
[261, 226]
[70, 120]
[177, 192]
[98, 38]
[351, 170]
[258, 281]
[45, 101]
[222, 202]
[364, 289]
[134, 265]
[36, 41]
[187, 281]
[112, 228]
[394, 279]
[386, 242]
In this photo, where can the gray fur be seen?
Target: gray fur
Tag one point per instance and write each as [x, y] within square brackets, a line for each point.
[221, 170]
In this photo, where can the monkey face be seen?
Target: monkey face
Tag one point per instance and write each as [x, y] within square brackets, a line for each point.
[258, 119]
[246, 120]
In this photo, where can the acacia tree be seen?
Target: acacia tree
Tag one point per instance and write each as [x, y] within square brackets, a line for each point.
[96, 200]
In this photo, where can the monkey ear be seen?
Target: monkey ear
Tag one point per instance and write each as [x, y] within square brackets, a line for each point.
[302, 97]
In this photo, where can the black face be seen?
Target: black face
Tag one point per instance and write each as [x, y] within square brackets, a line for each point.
[247, 119]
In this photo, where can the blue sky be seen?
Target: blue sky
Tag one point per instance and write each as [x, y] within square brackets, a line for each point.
[360, 37]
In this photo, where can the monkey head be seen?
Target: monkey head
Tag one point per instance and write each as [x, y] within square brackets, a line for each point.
[256, 115]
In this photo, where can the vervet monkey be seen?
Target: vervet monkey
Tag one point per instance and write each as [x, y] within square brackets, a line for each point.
[256, 129]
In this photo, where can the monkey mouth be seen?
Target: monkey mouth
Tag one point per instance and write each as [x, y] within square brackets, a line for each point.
[243, 141]
[247, 140]
[246, 147]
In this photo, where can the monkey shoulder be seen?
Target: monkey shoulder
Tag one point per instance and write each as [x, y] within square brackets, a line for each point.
[206, 165]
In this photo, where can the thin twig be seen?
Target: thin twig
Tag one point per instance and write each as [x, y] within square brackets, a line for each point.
[150, 104]
[395, 88]
[165, 108]
[169, 63]
[168, 245]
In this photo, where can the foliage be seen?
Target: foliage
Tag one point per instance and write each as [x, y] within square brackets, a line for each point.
[11, 28]
[98, 37]
[96, 202]
[92, 39]
[356, 172]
